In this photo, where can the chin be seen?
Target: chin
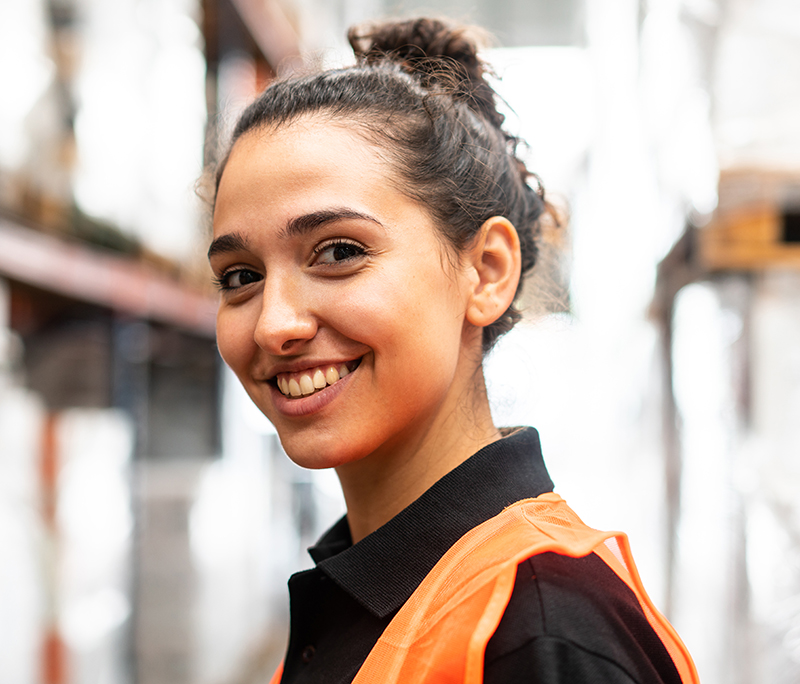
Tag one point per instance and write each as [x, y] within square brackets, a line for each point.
[319, 453]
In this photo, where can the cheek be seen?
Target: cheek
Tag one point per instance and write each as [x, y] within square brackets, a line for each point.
[413, 323]
[235, 339]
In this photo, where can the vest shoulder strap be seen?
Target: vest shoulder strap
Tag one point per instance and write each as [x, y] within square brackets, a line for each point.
[440, 634]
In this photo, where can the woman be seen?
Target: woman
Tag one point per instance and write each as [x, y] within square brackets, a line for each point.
[371, 227]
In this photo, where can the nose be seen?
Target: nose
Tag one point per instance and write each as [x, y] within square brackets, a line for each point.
[285, 322]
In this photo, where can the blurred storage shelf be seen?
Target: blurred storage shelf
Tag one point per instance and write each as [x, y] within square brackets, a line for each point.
[86, 274]
[757, 224]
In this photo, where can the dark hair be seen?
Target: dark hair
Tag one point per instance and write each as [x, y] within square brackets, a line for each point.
[418, 90]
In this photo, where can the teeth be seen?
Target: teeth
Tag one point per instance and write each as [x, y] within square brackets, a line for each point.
[310, 382]
[306, 384]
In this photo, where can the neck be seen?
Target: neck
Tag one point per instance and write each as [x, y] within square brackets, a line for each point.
[379, 486]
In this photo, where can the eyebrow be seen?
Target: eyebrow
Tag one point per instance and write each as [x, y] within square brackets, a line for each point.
[232, 242]
[300, 225]
[307, 223]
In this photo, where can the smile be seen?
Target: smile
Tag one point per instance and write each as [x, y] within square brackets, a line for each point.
[313, 380]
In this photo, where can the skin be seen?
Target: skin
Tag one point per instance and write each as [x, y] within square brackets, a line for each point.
[322, 261]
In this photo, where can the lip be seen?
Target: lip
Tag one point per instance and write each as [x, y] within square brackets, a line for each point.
[313, 403]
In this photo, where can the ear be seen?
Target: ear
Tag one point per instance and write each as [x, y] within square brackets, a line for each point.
[497, 263]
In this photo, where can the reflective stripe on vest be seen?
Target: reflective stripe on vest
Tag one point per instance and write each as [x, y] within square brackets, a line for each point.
[439, 636]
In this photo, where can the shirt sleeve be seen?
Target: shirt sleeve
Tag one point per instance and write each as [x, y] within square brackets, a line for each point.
[550, 660]
[574, 621]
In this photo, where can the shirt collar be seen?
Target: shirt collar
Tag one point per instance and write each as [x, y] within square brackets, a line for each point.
[382, 570]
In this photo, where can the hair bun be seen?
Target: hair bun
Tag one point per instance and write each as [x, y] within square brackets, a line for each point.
[434, 51]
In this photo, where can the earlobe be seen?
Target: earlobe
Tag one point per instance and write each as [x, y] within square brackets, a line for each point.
[496, 259]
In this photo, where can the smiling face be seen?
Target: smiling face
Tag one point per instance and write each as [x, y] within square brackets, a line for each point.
[340, 312]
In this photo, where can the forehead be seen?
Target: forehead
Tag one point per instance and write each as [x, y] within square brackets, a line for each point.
[314, 145]
[311, 160]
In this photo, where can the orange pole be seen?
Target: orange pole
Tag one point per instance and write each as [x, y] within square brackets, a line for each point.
[48, 471]
[54, 651]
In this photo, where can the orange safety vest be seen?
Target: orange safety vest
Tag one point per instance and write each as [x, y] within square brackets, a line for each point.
[440, 634]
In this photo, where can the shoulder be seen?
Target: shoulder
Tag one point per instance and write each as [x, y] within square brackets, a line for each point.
[574, 620]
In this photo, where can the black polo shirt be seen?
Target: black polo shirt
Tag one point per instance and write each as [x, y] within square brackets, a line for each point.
[569, 619]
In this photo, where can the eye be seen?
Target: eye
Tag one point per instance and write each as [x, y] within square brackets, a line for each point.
[236, 278]
[338, 251]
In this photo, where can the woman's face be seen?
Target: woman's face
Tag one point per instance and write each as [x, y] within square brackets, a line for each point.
[340, 312]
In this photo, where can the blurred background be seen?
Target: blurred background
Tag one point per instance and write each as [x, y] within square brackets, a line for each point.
[148, 517]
